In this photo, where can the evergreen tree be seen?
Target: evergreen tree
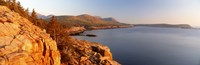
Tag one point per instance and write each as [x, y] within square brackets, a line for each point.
[26, 14]
[34, 14]
[34, 17]
[53, 28]
[8, 3]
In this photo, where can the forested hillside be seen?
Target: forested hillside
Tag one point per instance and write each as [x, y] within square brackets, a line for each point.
[88, 21]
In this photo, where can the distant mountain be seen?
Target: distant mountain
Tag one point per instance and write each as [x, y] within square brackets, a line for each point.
[89, 18]
[110, 19]
[49, 16]
[166, 25]
[87, 21]
[42, 16]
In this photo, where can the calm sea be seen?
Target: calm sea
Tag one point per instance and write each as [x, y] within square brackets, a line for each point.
[150, 45]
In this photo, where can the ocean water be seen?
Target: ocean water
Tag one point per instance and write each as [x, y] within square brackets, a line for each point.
[150, 45]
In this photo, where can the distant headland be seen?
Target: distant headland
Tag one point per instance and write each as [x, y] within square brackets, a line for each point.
[184, 26]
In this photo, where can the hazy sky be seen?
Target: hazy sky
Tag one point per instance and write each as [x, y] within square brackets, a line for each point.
[127, 11]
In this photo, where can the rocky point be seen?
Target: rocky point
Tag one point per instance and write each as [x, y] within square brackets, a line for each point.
[80, 52]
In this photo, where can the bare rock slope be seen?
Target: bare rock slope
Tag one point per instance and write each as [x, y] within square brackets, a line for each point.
[22, 43]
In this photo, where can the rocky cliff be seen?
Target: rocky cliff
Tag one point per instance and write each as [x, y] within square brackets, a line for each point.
[22, 43]
[77, 52]
[75, 30]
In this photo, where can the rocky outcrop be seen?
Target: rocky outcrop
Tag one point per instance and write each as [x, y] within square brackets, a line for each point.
[22, 43]
[75, 30]
[76, 52]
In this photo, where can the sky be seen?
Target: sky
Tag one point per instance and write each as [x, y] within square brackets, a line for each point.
[126, 11]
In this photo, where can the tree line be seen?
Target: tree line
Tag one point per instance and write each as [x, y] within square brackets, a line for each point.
[54, 28]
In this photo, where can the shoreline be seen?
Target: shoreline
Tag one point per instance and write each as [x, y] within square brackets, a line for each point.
[78, 30]
[110, 27]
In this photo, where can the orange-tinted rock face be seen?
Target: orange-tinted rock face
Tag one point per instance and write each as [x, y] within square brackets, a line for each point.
[22, 43]
[85, 53]
[75, 30]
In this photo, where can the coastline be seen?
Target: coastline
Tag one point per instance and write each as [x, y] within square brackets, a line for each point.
[26, 43]
[110, 27]
[78, 30]
[89, 49]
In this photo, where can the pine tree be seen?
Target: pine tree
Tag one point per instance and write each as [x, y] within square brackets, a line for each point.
[53, 28]
[26, 14]
[34, 14]
[16, 7]
[34, 17]
[8, 3]
[21, 9]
